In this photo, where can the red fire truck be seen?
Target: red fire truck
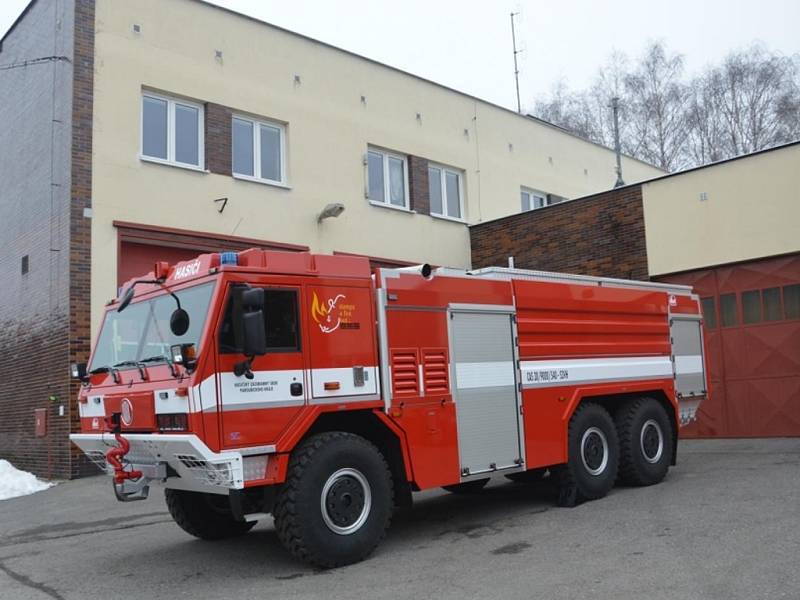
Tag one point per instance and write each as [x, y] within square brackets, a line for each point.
[310, 388]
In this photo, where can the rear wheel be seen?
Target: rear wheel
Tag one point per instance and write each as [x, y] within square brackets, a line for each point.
[646, 442]
[206, 516]
[336, 503]
[467, 487]
[593, 456]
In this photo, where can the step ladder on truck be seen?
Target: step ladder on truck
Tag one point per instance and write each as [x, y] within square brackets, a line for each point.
[310, 388]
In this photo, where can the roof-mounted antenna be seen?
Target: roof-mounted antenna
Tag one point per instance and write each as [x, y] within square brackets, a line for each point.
[617, 148]
[516, 66]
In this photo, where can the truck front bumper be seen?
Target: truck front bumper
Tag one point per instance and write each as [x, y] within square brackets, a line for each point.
[192, 465]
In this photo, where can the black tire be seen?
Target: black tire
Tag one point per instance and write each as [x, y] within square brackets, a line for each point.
[205, 516]
[531, 476]
[646, 442]
[593, 456]
[466, 487]
[359, 498]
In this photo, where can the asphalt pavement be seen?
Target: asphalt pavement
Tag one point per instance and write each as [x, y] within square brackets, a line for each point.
[724, 524]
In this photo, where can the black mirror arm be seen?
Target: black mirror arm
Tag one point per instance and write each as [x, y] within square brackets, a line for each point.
[161, 283]
[171, 293]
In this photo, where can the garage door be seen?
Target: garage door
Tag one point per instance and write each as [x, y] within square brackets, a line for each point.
[142, 245]
[136, 260]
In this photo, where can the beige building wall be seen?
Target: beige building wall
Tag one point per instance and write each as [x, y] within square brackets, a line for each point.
[738, 210]
[328, 130]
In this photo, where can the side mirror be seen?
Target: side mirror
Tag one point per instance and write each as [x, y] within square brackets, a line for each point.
[179, 322]
[255, 336]
[126, 299]
[253, 299]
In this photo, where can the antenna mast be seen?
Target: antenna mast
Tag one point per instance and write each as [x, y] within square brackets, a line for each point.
[516, 68]
[617, 149]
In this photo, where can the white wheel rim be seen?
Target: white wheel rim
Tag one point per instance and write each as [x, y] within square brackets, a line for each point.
[340, 485]
[648, 442]
[590, 449]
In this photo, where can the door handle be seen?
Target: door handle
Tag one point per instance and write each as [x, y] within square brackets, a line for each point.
[296, 389]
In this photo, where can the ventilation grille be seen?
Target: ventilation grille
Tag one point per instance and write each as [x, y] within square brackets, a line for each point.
[405, 372]
[208, 473]
[434, 364]
[98, 457]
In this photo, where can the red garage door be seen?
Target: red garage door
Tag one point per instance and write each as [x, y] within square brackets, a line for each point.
[752, 317]
[136, 260]
[142, 245]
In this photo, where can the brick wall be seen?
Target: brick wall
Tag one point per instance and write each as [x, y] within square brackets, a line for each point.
[218, 139]
[600, 235]
[418, 191]
[35, 138]
[80, 248]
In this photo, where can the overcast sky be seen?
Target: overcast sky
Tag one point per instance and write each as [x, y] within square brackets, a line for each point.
[466, 44]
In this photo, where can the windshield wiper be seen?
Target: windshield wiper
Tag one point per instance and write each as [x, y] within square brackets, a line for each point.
[106, 369]
[157, 358]
[133, 363]
[162, 358]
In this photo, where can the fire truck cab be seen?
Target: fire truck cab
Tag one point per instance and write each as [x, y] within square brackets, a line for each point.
[310, 388]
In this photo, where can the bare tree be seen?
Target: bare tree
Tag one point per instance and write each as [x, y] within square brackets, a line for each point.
[657, 100]
[706, 138]
[758, 99]
[748, 102]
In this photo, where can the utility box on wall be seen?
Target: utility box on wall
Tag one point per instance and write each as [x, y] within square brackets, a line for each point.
[40, 415]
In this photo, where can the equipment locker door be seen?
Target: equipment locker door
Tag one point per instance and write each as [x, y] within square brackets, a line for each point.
[485, 390]
[688, 363]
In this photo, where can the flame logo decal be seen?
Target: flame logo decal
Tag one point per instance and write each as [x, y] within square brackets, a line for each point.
[324, 315]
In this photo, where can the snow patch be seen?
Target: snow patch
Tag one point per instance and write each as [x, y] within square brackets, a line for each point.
[14, 483]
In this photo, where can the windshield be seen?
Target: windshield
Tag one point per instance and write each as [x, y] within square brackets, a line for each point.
[142, 330]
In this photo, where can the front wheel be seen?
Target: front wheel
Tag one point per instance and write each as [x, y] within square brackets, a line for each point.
[593, 456]
[646, 442]
[336, 503]
[206, 516]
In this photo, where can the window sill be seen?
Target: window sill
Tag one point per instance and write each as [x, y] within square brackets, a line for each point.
[166, 163]
[276, 184]
[392, 207]
[451, 219]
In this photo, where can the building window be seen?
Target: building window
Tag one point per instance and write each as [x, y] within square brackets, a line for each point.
[531, 199]
[709, 312]
[771, 297]
[25, 264]
[445, 189]
[258, 149]
[172, 131]
[751, 307]
[791, 301]
[387, 177]
[727, 310]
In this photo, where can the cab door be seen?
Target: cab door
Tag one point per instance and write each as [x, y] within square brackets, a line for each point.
[256, 410]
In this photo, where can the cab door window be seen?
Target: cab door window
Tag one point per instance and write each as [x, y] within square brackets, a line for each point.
[281, 322]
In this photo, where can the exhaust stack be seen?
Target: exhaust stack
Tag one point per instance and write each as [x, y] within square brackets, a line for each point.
[424, 269]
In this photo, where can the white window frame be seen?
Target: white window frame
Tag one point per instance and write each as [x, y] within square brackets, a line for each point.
[443, 179]
[170, 160]
[386, 202]
[257, 123]
[531, 193]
